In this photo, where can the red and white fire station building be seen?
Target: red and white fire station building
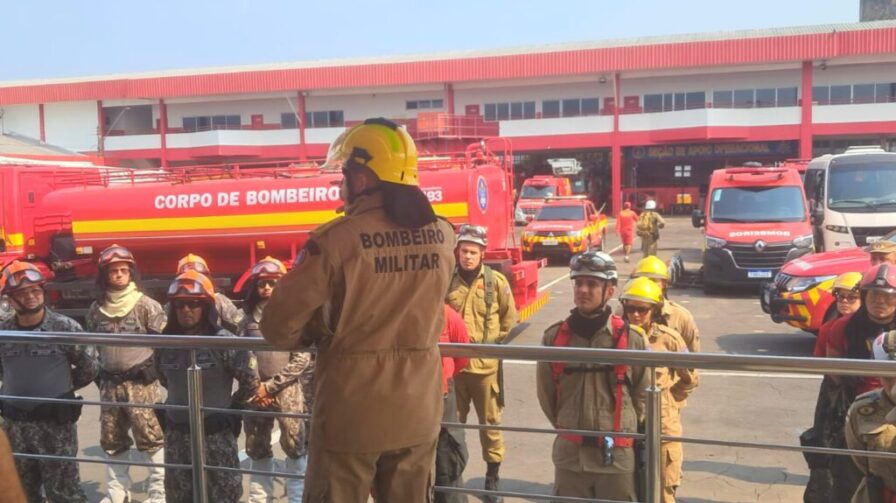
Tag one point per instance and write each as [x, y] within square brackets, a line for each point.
[629, 110]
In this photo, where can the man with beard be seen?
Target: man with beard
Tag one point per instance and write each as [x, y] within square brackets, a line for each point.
[229, 315]
[42, 370]
[192, 299]
[590, 396]
[280, 390]
[127, 374]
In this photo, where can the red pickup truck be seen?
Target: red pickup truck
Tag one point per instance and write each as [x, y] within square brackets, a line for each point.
[800, 294]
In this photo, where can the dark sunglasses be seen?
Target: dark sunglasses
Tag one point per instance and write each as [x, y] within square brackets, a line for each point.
[264, 283]
[191, 303]
[848, 297]
[637, 309]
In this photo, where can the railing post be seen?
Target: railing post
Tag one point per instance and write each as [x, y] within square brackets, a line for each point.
[197, 432]
[653, 439]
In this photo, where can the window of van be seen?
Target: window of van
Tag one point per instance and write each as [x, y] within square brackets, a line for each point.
[757, 204]
[862, 187]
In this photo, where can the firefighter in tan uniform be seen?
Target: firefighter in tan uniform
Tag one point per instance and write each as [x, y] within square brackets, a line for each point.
[127, 374]
[871, 426]
[883, 251]
[593, 397]
[368, 289]
[648, 228]
[280, 390]
[673, 314]
[642, 301]
[483, 298]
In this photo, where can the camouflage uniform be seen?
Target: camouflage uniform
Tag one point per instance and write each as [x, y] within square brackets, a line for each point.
[127, 375]
[231, 316]
[220, 450]
[287, 386]
[283, 382]
[51, 434]
[220, 368]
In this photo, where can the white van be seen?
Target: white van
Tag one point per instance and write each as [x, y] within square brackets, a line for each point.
[852, 197]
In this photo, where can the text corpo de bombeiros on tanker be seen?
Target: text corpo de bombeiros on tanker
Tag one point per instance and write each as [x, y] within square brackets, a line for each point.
[259, 197]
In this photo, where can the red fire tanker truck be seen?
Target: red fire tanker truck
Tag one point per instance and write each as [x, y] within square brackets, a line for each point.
[232, 216]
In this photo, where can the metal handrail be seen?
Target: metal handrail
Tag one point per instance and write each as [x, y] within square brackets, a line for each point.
[646, 359]
[637, 358]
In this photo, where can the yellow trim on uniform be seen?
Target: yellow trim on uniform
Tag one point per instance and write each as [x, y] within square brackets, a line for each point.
[220, 222]
[533, 308]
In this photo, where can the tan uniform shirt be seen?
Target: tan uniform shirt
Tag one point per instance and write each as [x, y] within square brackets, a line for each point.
[586, 401]
[676, 384]
[871, 426]
[379, 291]
[678, 318]
[469, 301]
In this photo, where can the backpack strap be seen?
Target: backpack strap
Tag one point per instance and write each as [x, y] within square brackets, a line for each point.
[561, 340]
[620, 338]
[488, 276]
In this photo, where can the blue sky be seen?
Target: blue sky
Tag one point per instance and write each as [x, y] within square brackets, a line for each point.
[64, 38]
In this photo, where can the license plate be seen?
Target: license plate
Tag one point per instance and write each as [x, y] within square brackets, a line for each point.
[550, 242]
[759, 274]
[873, 239]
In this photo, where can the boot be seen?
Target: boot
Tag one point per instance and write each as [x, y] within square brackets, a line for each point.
[261, 487]
[155, 483]
[118, 479]
[295, 487]
[491, 483]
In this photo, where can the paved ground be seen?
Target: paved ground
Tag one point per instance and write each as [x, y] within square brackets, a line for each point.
[726, 406]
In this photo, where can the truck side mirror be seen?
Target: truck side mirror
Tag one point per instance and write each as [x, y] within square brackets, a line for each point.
[698, 219]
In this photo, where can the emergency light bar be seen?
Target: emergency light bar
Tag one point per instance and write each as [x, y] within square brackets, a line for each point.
[732, 172]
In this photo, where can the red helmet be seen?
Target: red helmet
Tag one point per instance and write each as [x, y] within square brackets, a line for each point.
[115, 253]
[880, 277]
[18, 275]
[192, 285]
[268, 267]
